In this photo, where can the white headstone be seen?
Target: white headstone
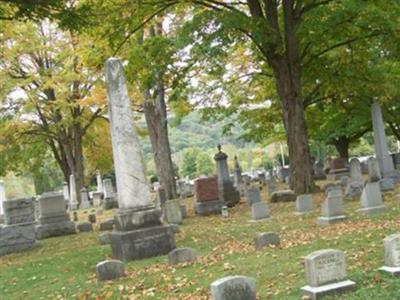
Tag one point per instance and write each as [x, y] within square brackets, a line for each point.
[73, 199]
[99, 181]
[133, 189]
[108, 188]
[355, 170]
[392, 254]
[65, 191]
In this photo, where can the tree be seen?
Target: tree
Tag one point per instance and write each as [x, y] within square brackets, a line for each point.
[47, 91]
[189, 166]
[204, 164]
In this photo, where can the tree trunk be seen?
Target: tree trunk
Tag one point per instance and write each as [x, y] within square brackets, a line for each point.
[342, 145]
[157, 124]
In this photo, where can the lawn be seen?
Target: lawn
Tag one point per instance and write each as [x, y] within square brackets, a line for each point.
[64, 268]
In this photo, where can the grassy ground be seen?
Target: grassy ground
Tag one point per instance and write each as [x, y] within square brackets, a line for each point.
[64, 268]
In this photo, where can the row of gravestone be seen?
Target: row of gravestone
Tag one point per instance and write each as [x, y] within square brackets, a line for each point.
[326, 271]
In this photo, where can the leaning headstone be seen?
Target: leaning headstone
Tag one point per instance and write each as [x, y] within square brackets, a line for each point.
[85, 227]
[234, 288]
[356, 182]
[266, 239]
[392, 254]
[206, 196]
[85, 204]
[380, 141]
[181, 255]
[173, 213]
[332, 209]
[326, 274]
[252, 195]
[259, 212]
[73, 198]
[18, 231]
[109, 270]
[226, 190]
[139, 232]
[53, 217]
[283, 196]
[304, 204]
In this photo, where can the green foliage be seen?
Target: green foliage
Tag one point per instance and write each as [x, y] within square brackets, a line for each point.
[189, 158]
[204, 164]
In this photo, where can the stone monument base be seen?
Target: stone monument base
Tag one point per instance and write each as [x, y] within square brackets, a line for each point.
[369, 211]
[337, 174]
[18, 237]
[142, 243]
[394, 271]
[54, 229]
[321, 291]
[324, 221]
[208, 207]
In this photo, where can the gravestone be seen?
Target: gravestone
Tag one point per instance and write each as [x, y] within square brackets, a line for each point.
[332, 209]
[139, 232]
[73, 198]
[85, 227]
[18, 231]
[53, 217]
[371, 197]
[261, 178]
[234, 288]
[2, 197]
[259, 212]
[99, 182]
[109, 270]
[224, 211]
[237, 176]
[392, 254]
[85, 204]
[385, 162]
[65, 191]
[181, 255]
[227, 193]
[98, 198]
[266, 239]
[338, 168]
[304, 204]
[271, 185]
[206, 196]
[184, 211]
[326, 274]
[252, 195]
[283, 196]
[173, 213]
[356, 182]
[107, 225]
[92, 218]
[110, 198]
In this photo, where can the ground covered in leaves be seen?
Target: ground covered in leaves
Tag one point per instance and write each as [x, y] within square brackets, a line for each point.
[64, 268]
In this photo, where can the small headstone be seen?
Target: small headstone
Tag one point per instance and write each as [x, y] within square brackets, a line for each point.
[181, 255]
[326, 274]
[234, 288]
[109, 270]
[371, 199]
[332, 209]
[173, 211]
[265, 239]
[107, 225]
[283, 196]
[84, 227]
[392, 254]
[85, 204]
[252, 195]
[259, 211]
[224, 211]
[304, 204]
[92, 218]
[104, 238]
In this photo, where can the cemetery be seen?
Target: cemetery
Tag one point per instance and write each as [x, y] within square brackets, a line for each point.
[199, 150]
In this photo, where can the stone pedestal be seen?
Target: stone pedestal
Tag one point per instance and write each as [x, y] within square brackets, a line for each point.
[53, 218]
[18, 233]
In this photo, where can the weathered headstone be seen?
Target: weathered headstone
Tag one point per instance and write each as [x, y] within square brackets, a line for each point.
[265, 239]
[234, 288]
[139, 231]
[304, 204]
[85, 204]
[283, 196]
[110, 198]
[252, 195]
[85, 227]
[18, 233]
[380, 141]
[53, 217]
[227, 192]
[109, 270]
[181, 255]
[73, 198]
[326, 274]
[99, 182]
[259, 212]
[332, 209]
[173, 213]
[206, 196]
[392, 254]
[356, 182]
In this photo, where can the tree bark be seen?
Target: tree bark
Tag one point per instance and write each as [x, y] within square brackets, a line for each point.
[342, 145]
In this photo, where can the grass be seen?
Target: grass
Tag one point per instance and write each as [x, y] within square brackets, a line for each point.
[64, 267]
